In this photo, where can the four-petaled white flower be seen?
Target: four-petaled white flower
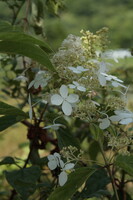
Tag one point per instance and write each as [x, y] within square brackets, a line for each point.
[54, 162]
[77, 86]
[66, 100]
[78, 69]
[104, 123]
[122, 116]
[114, 80]
[39, 80]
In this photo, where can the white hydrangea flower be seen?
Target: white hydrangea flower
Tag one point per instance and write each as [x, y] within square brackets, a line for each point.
[78, 69]
[39, 80]
[77, 86]
[114, 80]
[122, 116]
[116, 54]
[104, 123]
[54, 162]
[66, 100]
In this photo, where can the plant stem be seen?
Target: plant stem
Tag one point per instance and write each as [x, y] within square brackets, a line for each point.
[109, 172]
[16, 14]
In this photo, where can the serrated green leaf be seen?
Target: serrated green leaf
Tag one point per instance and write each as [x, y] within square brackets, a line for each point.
[126, 163]
[24, 180]
[75, 181]
[7, 161]
[26, 49]
[65, 139]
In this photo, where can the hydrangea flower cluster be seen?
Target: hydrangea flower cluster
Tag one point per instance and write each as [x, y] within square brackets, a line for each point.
[84, 87]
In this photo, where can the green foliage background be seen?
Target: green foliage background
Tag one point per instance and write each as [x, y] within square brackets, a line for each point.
[89, 15]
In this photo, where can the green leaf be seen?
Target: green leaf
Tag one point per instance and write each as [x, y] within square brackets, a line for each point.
[26, 49]
[65, 139]
[96, 185]
[126, 163]
[9, 120]
[6, 26]
[96, 132]
[93, 149]
[7, 161]
[22, 37]
[11, 116]
[24, 180]
[6, 109]
[75, 181]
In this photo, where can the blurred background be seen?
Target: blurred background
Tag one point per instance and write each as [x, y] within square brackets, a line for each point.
[91, 15]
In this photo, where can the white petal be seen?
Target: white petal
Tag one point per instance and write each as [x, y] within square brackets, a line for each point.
[104, 124]
[125, 115]
[37, 84]
[71, 68]
[31, 84]
[76, 71]
[81, 88]
[75, 83]
[115, 84]
[30, 113]
[102, 80]
[50, 157]
[72, 86]
[52, 164]
[62, 178]
[95, 103]
[64, 91]
[102, 67]
[82, 69]
[57, 155]
[29, 100]
[43, 84]
[115, 118]
[56, 99]
[67, 108]
[126, 121]
[62, 164]
[69, 166]
[72, 98]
